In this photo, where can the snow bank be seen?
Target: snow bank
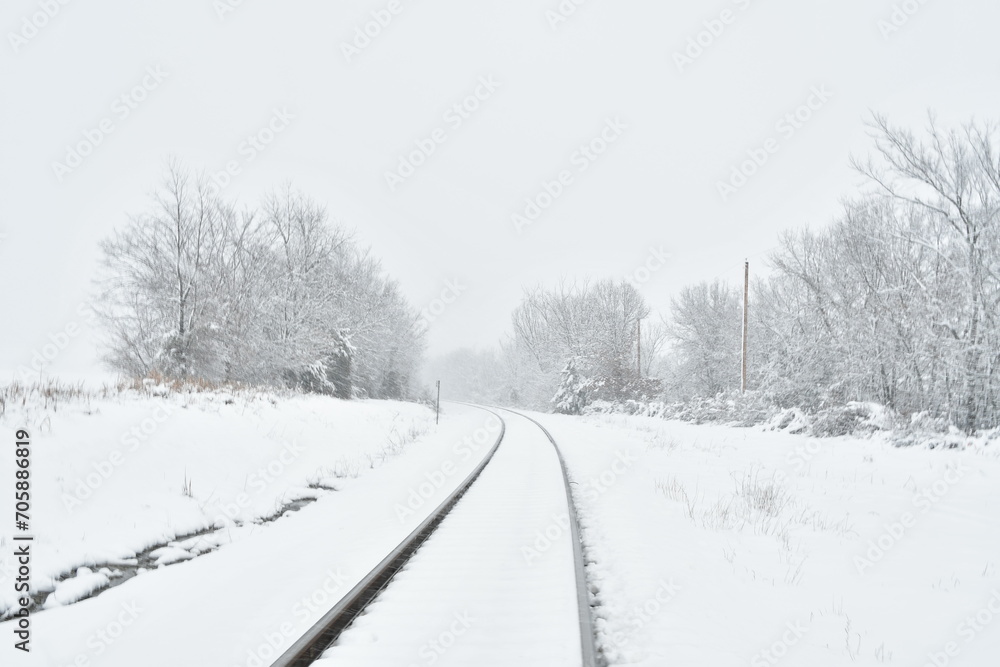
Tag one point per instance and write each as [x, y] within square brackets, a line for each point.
[855, 418]
[118, 472]
[721, 546]
[83, 584]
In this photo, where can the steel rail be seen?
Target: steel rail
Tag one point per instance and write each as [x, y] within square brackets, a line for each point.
[591, 657]
[311, 645]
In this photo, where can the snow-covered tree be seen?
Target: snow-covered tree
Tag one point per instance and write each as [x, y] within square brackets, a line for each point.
[196, 288]
[594, 323]
[570, 398]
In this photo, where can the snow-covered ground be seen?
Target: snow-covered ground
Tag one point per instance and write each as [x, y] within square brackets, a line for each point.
[483, 590]
[182, 463]
[720, 546]
[709, 545]
[112, 477]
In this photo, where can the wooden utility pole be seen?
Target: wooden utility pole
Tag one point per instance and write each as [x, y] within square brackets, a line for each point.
[437, 404]
[746, 322]
[638, 347]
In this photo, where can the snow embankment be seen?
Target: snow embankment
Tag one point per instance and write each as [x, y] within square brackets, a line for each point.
[721, 546]
[123, 473]
[246, 602]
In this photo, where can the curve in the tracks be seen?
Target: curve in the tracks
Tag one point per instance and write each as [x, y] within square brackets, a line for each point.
[318, 638]
[587, 636]
[513, 492]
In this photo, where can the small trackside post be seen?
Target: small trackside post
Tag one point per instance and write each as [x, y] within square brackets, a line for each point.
[437, 404]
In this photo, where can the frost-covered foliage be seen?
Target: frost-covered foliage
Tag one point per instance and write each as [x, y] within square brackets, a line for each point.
[622, 389]
[754, 409]
[196, 288]
[704, 335]
[725, 408]
[570, 398]
[592, 323]
[595, 324]
[895, 303]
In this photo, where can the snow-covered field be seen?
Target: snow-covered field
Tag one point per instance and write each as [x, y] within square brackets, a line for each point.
[721, 547]
[114, 476]
[710, 545]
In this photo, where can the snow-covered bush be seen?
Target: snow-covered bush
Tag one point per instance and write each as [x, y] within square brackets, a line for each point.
[570, 398]
[853, 419]
[617, 389]
[791, 420]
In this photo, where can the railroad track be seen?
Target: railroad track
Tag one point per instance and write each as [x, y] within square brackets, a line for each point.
[503, 568]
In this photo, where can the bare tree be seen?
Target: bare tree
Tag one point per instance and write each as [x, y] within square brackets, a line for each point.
[955, 176]
[199, 288]
[704, 335]
[594, 325]
[159, 280]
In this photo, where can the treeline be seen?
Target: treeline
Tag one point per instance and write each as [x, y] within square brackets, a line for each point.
[198, 288]
[896, 302]
[581, 340]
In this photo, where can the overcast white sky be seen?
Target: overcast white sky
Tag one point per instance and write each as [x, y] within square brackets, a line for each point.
[655, 186]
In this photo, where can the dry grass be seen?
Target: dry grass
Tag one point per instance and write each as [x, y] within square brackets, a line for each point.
[398, 439]
[766, 498]
[663, 441]
[756, 503]
[157, 384]
[187, 488]
[672, 489]
[47, 394]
